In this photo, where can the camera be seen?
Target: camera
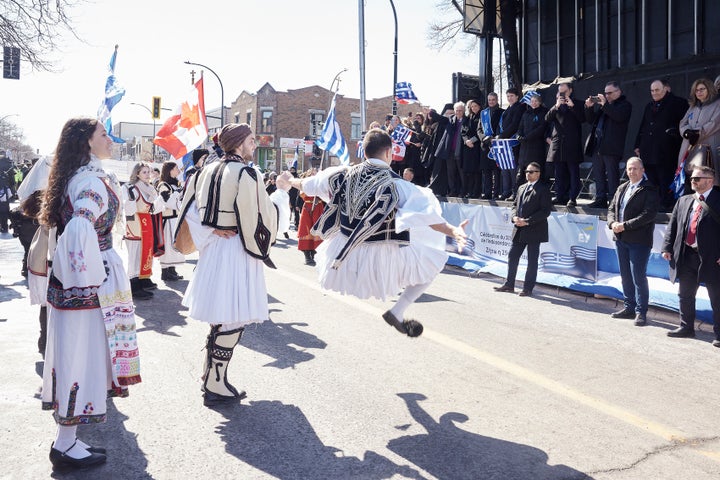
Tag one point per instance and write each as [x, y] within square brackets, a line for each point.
[595, 99]
[562, 95]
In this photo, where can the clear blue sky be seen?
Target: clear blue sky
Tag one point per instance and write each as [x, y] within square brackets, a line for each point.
[288, 43]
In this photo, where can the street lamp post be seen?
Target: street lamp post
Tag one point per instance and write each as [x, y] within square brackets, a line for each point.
[154, 124]
[222, 92]
[395, 53]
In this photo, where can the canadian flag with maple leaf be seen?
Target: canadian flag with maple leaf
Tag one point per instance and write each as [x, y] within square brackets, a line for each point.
[187, 128]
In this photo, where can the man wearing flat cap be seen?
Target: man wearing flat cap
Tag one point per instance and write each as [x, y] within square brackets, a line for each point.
[232, 223]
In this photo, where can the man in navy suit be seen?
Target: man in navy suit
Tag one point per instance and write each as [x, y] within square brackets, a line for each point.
[692, 246]
[631, 217]
[530, 211]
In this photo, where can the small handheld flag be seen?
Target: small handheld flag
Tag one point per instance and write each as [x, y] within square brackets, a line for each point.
[501, 151]
[528, 96]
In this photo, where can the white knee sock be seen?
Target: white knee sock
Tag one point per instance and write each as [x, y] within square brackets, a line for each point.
[408, 297]
[66, 436]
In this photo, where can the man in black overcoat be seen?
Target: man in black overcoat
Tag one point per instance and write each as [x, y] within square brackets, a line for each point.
[658, 139]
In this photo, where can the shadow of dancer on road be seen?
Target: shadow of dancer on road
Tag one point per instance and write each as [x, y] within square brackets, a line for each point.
[448, 452]
[279, 440]
[278, 340]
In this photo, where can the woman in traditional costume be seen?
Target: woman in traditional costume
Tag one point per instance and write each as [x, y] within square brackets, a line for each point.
[92, 345]
[143, 229]
[170, 190]
[312, 208]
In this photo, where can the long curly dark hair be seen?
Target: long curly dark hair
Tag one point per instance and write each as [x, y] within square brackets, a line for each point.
[73, 151]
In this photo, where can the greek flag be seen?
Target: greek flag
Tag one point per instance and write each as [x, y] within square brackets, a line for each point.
[113, 94]
[404, 93]
[528, 95]
[501, 152]
[360, 152]
[331, 138]
[400, 134]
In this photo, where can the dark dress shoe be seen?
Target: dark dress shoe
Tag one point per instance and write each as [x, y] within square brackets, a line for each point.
[557, 201]
[61, 460]
[640, 320]
[411, 328]
[624, 313]
[598, 204]
[511, 198]
[90, 448]
[525, 293]
[716, 343]
[572, 203]
[504, 288]
[681, 332]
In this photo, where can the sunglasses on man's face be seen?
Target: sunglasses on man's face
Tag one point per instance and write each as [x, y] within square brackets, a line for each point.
[697, 179]
[532, 171]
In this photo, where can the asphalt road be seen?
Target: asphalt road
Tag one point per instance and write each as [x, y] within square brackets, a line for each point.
[498, 387]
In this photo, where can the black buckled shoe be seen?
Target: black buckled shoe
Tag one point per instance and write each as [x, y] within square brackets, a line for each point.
[62, 460]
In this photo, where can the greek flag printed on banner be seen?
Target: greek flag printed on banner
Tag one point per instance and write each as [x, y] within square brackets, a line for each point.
[501, 151]
[331, 138]
[114, 92]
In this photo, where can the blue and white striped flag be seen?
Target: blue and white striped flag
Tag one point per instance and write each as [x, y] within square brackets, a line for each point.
[404, 93]
[501, 152]
[360, 153]
[331, 138]
[400, 134]
[528, 95]
[113, 94]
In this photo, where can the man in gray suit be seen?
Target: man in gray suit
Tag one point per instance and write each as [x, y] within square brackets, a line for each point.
[530, 211]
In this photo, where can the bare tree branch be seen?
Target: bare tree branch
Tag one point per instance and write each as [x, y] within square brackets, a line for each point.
[34, 26]
[444, 32]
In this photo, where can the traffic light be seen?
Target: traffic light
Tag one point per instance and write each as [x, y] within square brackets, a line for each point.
[156, 107]
[11, 63]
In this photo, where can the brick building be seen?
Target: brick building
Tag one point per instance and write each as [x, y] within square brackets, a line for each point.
[284, 120]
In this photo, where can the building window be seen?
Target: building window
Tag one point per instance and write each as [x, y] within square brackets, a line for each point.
[355, 126]
[266, 121]
[237, 118]
[317, 120]
[248, 118]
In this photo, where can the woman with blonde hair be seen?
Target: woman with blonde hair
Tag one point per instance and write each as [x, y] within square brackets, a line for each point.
[143, 229]
[91, 341]
[701, 126]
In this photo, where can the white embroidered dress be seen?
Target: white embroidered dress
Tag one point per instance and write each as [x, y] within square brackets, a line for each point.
[383, 268]
[92, 344]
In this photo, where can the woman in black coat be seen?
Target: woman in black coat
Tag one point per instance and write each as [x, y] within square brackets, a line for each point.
[471, 152]
[565, 154]
[531, 134]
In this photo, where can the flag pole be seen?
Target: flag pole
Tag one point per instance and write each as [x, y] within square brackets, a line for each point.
[361, 41]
